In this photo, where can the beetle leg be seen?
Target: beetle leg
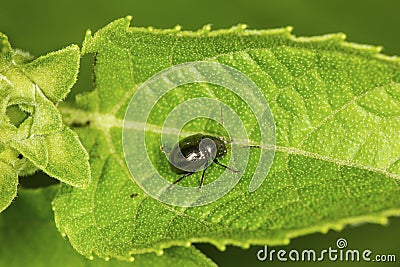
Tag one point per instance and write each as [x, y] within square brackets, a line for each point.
[179, 179]
[224, 166]
[202, 177]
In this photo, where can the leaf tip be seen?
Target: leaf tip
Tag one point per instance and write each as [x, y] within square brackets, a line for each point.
[379, 48]
[88, 33]
[342, 36]
[205, 29]
[82, 186]
[324, 229]
[363, 48]
[220, 246]
[87, 178]
[5, 46]
[245, 245]
[383, 220]
[75, 48]
[127, 22]
[177, 28]
[129, 18]
[289, 29]
[87, 41]
[239, 28]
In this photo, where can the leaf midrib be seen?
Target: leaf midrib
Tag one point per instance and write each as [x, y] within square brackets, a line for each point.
[105, 122]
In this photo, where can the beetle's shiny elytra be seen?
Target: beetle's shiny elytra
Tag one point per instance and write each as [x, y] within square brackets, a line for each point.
[195, 153]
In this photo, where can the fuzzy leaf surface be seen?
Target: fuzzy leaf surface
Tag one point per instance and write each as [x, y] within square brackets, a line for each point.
[31, 217]
[336, 107]
[32, 134]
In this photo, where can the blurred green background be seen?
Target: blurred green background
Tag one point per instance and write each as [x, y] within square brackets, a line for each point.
[43, 26]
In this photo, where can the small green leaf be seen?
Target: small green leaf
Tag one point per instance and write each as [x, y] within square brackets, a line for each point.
[7, 129]
[56, 72]
[30, 123]
[5, 89]
[31, 217]
[67, 158]
[59, 154]
[5, 52]
[8, 185]
[46, 118]
[335, 106]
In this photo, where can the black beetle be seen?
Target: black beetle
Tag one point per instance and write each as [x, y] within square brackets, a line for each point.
[197, 152]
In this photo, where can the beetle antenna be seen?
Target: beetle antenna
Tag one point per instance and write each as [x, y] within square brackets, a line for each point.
[222, 115]
[252, 146]
[249, 146]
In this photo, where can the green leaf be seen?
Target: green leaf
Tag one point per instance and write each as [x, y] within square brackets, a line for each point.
[30, 123]
[31, 217]
[55, 73]
[336, 110]
[59, 154]
[46, 118]
[8, 185]
[5, 52]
